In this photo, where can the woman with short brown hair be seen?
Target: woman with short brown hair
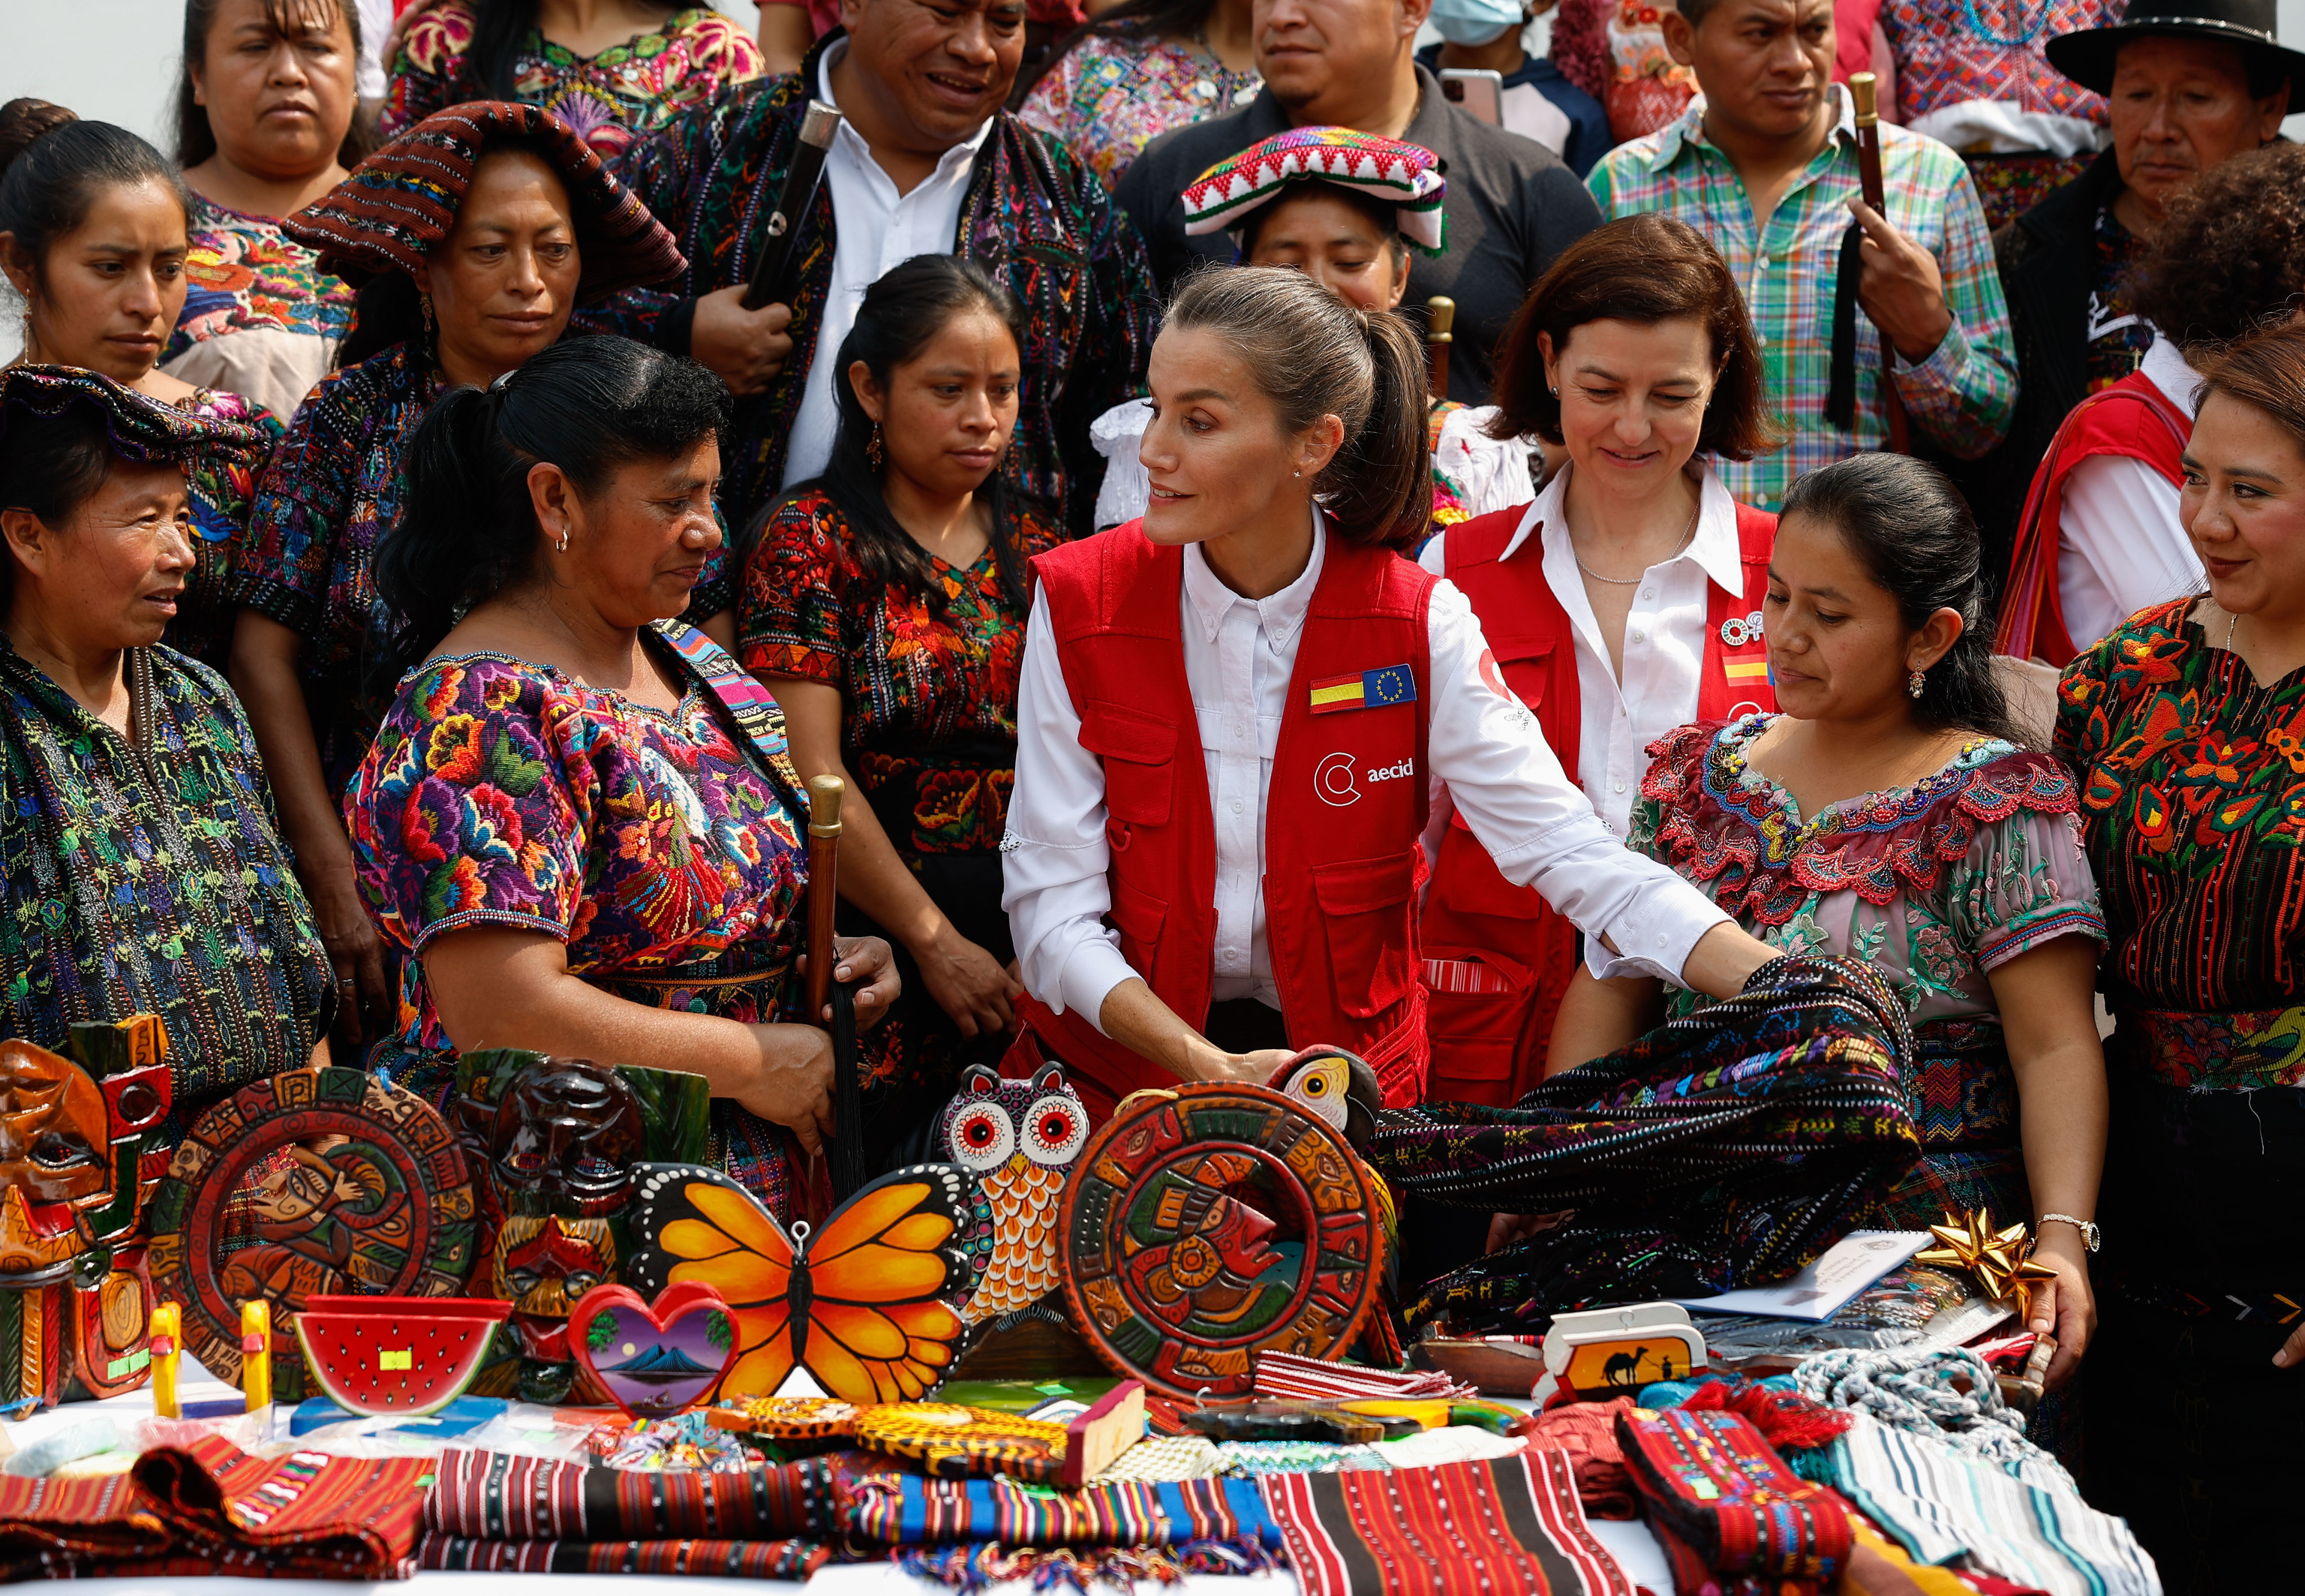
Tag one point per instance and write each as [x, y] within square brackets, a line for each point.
[1623, 602]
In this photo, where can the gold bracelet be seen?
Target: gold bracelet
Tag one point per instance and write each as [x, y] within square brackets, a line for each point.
[2087, 1228]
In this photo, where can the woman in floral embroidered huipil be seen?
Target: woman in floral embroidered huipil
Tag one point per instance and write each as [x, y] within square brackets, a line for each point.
[578, 818]
[1140, 69]
[2188, 727]
[642, 64]
[1887, 815]
[884, 604]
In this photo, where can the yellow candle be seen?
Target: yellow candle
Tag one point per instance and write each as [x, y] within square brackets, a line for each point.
[256, 1354]
[164, 1338]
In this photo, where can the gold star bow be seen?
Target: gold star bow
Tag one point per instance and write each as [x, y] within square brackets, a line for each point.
[2001, 1261]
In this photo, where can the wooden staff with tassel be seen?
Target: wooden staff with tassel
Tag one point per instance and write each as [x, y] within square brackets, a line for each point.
[1863, 98]
[847, 1148]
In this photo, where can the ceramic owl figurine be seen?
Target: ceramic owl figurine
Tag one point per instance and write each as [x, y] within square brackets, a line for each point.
[1020, 1140]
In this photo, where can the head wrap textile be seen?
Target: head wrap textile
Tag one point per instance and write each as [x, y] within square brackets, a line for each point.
[401, 201]
[1407, 176]
[141, 428]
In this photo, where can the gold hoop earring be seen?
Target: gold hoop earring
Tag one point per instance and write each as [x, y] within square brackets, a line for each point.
[873, 449]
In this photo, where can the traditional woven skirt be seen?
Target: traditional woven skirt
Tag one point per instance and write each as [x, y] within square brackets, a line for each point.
[1723, 1149]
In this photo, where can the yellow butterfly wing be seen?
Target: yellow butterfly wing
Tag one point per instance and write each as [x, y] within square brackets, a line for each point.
[883, 1279]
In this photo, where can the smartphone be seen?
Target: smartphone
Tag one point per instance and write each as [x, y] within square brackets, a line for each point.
[1476, 89]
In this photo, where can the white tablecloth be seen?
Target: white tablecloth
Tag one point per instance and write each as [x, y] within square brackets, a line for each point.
[1634, 1546]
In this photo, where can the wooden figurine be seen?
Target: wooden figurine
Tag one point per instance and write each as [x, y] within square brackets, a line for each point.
[556, 1141]
[1213, 1221]
[878, 1322]
[350, 1183]
[1021, 1140]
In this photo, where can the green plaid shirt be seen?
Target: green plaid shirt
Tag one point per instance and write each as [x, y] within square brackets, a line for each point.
[1959, 397]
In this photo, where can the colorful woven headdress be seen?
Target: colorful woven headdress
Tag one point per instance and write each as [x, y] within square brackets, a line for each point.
[141, 428]
[402, 200]
[1406, 176]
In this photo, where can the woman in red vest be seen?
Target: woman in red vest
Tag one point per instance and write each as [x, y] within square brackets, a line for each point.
[1624, 602]
[2100, 539]
[1233, 715]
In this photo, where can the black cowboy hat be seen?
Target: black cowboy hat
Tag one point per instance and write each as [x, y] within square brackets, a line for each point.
[2086, 56]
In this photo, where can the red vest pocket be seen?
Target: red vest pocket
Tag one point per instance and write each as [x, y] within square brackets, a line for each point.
[1365, 915]
[1143, 748]
[1526, 663]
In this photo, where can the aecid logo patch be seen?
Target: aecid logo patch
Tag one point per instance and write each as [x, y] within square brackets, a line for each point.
[1337, 782]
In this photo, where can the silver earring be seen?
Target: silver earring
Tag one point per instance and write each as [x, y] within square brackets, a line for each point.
[1914, 682]
[1297, 473]
[561, 547]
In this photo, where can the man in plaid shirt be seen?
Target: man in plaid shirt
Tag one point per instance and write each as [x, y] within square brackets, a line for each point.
[1763, 163]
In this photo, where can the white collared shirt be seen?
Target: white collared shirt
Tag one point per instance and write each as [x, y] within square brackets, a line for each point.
[2121, 547]
[1483, 745]
[875, 228]
[1663, 644]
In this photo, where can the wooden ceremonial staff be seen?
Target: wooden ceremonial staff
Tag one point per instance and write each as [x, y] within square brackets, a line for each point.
[1862, 97]
[1439, 316]
[771, 283]
[848, 1149]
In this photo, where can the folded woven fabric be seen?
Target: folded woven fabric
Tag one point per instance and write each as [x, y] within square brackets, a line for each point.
[2021, 1521]
[1255, 1459]
[1587, 1432]
[1509, 1523]
[493, 1496]
[741, 1559]
[980, 1565]
[1712, 1483]
[211, 1508]
[1165, 1457]
[904, 1509]
[1285, 1374]
[1723, 1149]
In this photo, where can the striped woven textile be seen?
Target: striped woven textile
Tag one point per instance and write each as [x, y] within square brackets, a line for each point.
[211, 1508]
[1507, 1524]
[734, 1559]
[1723, 1503]
[905, 1510]
[2023, 1522]
[401, 200]
[1726, 1149]
[1285, 1374]
[493, 1496]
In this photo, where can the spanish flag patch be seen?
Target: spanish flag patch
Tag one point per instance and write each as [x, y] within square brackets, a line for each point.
[1367, 690]
[1745, 670]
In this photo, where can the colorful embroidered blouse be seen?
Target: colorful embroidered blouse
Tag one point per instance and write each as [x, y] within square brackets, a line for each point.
[247, 275]
[611, 99]
[334, 487]
[929, 723]
[500, 792]
[1989, 50]
[222, 492]
[2193, 808]
[1111, 96]
[148, 877]
[1934, 885]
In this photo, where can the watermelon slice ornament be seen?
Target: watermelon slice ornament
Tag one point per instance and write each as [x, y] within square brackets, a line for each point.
[404, 1356]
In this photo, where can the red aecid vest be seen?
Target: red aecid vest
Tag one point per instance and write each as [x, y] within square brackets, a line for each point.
[1497, 956]
[2131, 417]
[1342, 815]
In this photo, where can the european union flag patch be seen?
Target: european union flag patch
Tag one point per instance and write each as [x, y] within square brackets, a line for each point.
[1369, 690]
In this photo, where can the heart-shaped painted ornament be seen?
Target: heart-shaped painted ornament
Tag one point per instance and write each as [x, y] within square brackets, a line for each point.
[652, 1359]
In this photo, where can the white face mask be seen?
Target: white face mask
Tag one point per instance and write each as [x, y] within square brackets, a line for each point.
[1470, 30]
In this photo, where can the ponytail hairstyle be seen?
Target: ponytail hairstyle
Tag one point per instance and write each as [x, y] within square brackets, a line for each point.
[467, 527]
[1914, 534]
[901, 314]
[1313, 354]
[53, 166]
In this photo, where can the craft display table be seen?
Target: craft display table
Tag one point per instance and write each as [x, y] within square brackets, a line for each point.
[1633, 1545]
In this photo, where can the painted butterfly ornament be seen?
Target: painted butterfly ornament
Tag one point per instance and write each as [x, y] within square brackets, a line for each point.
[1021, 1140]
[870, 1306]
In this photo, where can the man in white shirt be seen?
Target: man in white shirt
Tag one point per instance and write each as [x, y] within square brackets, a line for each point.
[2121, 545]
[925, 161]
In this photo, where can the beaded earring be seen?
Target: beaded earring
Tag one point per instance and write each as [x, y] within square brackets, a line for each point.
[872, 448]
[1914, 682]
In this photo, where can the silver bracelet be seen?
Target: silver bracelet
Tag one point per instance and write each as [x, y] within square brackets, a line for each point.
[2087, 1228]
